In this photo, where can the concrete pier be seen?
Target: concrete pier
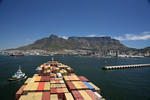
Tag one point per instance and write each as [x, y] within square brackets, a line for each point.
[126, 66]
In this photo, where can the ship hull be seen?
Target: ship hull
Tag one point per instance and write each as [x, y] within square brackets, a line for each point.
[15, 79]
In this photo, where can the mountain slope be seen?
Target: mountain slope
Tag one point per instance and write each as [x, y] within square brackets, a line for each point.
[145, 50]
[53, 43]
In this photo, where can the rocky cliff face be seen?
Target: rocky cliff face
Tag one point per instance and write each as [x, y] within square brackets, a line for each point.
[90, 43]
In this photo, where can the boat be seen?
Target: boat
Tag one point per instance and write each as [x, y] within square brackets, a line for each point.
[19, 54]
[18, 75]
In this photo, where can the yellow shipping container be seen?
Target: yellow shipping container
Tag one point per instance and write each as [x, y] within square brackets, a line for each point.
[31, 87]
[38, 78]
[85, 95]
[47, 86]
[54, 97]
[75, 83]
[48, 71]
[65, 90]
[66, 78]
[32, 96]
[63, 85]
[28, 80]
[69, 96]
[35, 75]
[52, 82]
[96, 88]
[53, 86]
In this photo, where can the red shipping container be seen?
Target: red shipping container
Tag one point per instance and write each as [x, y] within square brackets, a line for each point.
[57, 81]
[40, 86]
[59, 90]
[60, 93]
[19, 92]
[53, 90]
[42, 78]
[82, 78]
[71, 85]
[52, 75]
[77, 95]
[46, 96]
[45, 79]
[51, 79]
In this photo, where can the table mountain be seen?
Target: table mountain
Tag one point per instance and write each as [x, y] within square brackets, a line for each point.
[54, 42]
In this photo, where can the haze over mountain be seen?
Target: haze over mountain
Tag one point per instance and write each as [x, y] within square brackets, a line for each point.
[54, 43]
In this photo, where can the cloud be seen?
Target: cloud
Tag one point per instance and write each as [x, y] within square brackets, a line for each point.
[143, 36]
[64, 37]
[91, 35]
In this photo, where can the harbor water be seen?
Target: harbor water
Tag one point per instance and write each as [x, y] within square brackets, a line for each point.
[122, 84]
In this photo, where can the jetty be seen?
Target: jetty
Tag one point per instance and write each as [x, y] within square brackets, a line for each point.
[56, 81]
[126, 66]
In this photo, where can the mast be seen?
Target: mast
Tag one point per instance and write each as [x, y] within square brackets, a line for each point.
[20, 67]
[52, 59]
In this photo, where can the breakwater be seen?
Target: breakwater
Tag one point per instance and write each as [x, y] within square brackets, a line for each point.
[126, 66]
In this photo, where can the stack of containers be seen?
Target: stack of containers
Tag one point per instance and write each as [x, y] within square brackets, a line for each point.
[71, 77]
[58, 87]
[63, 72]
[70, 70]
[51, 84]
[86, 95]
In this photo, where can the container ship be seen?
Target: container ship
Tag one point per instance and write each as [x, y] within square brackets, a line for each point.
[56, 81]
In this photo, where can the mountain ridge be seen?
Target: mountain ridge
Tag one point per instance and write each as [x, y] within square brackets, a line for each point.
[54, 43]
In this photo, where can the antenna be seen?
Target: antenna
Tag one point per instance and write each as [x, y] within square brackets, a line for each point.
[19, 66]
[52, 58]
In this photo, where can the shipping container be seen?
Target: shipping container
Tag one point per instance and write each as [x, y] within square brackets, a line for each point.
[47, 86]
[57, 82]
[46, 96]
[71, 85]
[53, 97]
[93, 95]
[85, 95]
[82, 85]
[89, 86]
[19, 92]
[27, 81]
[32, 96]
[38, 78]
[95, 87]
[31, 87]
[77, 95]
[53, 90]
[68, 96]
[45, 79]
[82, 78]
[40, 86]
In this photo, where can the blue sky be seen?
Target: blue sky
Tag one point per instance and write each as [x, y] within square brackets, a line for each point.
[24, 21]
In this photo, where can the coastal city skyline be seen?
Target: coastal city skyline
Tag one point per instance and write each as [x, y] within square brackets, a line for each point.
[23, 22]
